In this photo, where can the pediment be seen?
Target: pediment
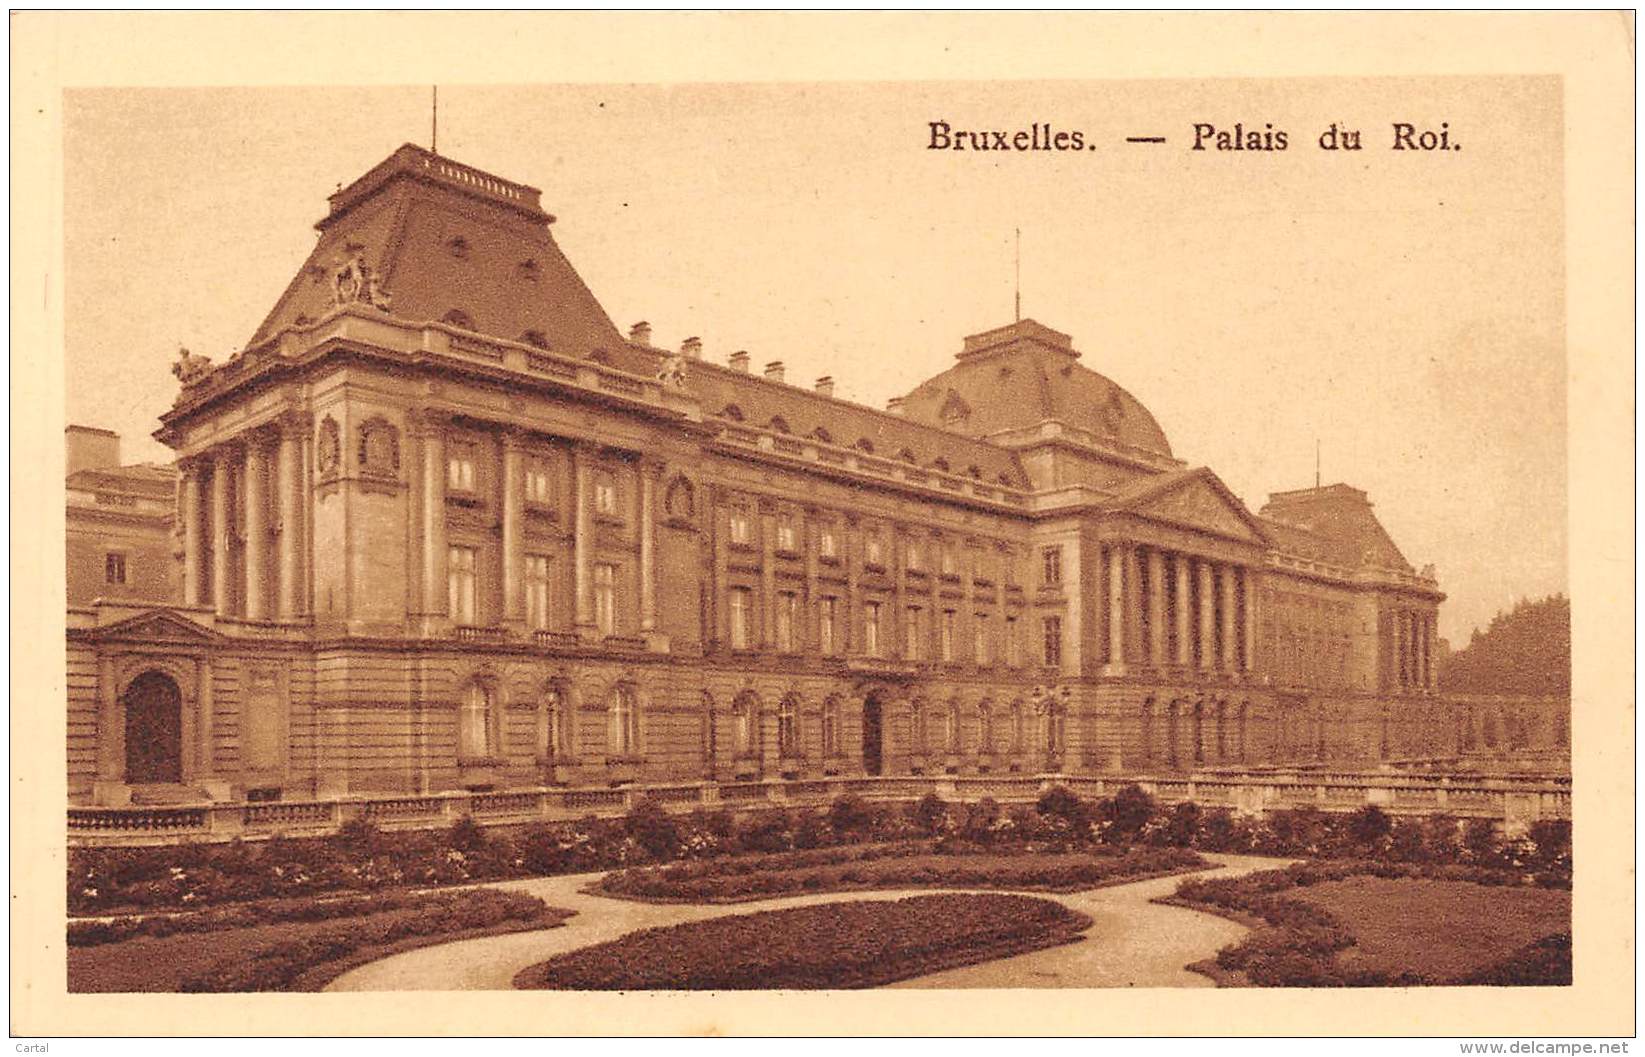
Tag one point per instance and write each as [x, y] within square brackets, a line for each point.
[1200, 501]
[159, 625]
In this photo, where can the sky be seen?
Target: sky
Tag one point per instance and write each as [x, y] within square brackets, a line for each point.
[1403, 310]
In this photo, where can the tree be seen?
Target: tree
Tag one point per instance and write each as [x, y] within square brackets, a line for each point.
[1525, 650]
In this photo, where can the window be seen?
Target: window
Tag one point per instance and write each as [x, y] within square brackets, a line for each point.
[785, 533]
[605, 598]
[538, 483]
[554, 732]
[873, 550]
[1008, 564]
[922, 728]
[788, 728]
[949, 565]
[948, 621]
[623, 734]
[985, 728]
[788, 610]
[740, 606]
[826, 546]
[952, 731]
[826, 608]
[742, 725]
[460, 468]
[911, 634]
[871, 629]
[114, 568]
[1013, 644]
[1053, 642]
[476, 724]
[916, 555]
[536, 591]
[831, 727]
[1051, 566]
[980, 646]
[1016, 726]
[460, 585]
[605, 493]
[739, 525]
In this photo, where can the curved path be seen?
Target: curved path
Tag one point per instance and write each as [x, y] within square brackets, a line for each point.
[1131, 942]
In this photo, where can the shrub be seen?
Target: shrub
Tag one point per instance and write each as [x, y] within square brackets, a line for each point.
[980, 819]
[651, 826]
[850, 814]
[929, 813]
[766, 832]
[1127, 812]
[811, 831]
[1061, 802]
[1368, 829]
[466, 834]
[1551, 839]
[1183, 828]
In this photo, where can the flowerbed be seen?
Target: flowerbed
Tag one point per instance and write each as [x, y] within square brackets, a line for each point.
[1380, 924]
[281, 948]
[912, 865]
[839, 945]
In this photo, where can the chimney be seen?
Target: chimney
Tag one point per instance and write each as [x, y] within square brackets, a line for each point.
[91, 449]
[739, 361]
[825, 385]
[640, 333]
[692, 348]
[774, 371]
[894, 405]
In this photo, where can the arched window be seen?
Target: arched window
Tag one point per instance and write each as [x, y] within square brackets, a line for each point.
[623, 734]
[1222, 730]
[779, 425]
[1016, 726]
[831, 727]
[1173, 715]
[708, 745]
[952, 731]
[535, 339]
[458, 318]
[732, 411]
[940, 463]
[477, 723]
[788, 727]
[1146, 731]
[823, 435]
[1199, 732]
[922, 728]
[742, 725]
[1244, 728]
[974, 472]
[907, 455]
[985, 727]
[864, 444]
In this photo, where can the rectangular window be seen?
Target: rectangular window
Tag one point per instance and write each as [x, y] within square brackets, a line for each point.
[1013, 645]
[605, 494]
[536, 591]
[460, 468]
[538, 484]
[1009, 564]
[605, 598]
[739, 525]
[788, 609]
[114, 569]
[874, 553]
[871, 629]
[740, 599]
[460, 585]
[911, 634]
[785, 534]
[949, 566]
[826, 608]
[916, 555]
[825, 542]
[981, 646]
[1051, 566]
[948, 621]
[1053, 642]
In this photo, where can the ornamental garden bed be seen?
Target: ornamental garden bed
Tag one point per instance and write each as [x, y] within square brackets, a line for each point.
[1371, 924]
[912, 865]
[837, 945]
[287, 945]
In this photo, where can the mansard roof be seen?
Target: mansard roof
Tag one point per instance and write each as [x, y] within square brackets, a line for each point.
[1333, 524]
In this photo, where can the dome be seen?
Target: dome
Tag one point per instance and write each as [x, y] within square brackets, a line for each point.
[1019, 376]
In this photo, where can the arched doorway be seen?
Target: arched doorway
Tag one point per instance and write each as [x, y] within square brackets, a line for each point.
[872, 742]
[154, 730]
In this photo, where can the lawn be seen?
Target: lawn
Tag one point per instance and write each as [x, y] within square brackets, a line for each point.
[892, 866]
[837, 945]
[296, 955]
[1440, 929]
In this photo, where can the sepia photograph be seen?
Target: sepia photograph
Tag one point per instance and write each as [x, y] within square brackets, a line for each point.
[722, 535]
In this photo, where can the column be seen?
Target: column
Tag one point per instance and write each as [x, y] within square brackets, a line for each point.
[718, 631]
[1116, 607]
[257, 535]
[222, 575]
[768, 575]
[193, 572]
[290, 473]
[1433, 634]
[1248, 599]
[1156, 607]
[894, 634]
[810, 618]
[513, 527]
[111, 731]
[1136, 648]
[1401, 669]
[203, 756]
[1207, 616]
[648, 545]
[1230, 650]
[1185, 612]
[583, 541]
[435, 600]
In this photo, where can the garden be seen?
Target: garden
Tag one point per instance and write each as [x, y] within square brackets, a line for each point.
[838, 945]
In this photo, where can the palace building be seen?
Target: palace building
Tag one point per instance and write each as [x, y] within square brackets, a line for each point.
[443, 525]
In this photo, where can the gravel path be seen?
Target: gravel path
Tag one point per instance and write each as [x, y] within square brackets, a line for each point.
[1131, 943]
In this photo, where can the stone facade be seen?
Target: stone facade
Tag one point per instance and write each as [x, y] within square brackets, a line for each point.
[119, 522]
[443, 526]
